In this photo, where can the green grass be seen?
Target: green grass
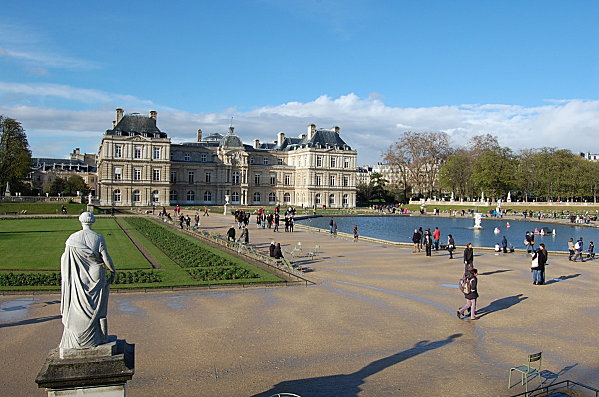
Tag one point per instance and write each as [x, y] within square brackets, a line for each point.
[29, 244]
[42, 208]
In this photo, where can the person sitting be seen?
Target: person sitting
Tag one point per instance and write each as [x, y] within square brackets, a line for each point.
[278, 252]
[231, 234]
[497, 247]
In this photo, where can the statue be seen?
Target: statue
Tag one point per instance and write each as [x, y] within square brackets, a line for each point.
[84, 295]
[226, 203]
[477, 220]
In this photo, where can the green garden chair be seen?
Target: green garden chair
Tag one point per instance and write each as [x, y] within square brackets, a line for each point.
[314, 252]
[533, 367]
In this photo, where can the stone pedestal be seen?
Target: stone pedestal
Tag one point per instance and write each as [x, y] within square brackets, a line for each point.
[90, 208]
[101, 371]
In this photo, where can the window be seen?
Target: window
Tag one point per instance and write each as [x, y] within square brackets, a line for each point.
[137, 174]
[136, 196]
[190, 176]
[280, 161]
[272, 198]
[173, 176]
[187, 157]
[203, 158]
[156, 153]
[208, 177]
[116, 195]
[287, 179]
[287, 198]
[172, 195]
[345, 162]
[346, 181]
[235, 197]
[332, 199]
[318, 180]
[118, 151]
[256, 198]
[251, 160]
[332, 180]
[333, 162]
[273, 179]
[265, 160]
[118, 173]
[155, 196]
[207, 196]
[191, 195]
[156, 174]
[345, 200]
[236, 178]
[137, 152]
[317, 199]
[257, 179]
[319, 161]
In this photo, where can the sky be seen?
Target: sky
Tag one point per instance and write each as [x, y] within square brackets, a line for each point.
[524, 71]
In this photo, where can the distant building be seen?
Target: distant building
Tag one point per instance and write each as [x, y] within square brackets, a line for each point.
[589, 156]
[45, 170]
[138, 165]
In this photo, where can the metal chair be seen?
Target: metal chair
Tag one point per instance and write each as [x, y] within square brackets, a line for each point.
[314, 252]
[528, 369]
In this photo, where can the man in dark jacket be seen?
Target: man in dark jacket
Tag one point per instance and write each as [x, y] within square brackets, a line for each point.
[231, 234]
[416, 241]
[468, 258]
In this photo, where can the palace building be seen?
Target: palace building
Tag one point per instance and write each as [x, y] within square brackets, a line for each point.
[139, 166]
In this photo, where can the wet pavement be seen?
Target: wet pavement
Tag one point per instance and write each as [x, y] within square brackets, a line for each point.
[380, 321]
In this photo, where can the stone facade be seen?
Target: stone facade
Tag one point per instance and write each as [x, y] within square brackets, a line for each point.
[138, 165]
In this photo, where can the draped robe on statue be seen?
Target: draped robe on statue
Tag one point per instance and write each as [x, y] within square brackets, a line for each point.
[84, 289]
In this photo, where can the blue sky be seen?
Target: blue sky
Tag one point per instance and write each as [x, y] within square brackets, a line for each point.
[526, 71]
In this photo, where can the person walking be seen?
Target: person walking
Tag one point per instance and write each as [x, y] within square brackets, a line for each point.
[436, 238]
[468, 258]
[470, 293]
[571, 248]
[331, 223]
[245, 235]
[356, 233]
[578, 247]
[450, 245]
[416, 241]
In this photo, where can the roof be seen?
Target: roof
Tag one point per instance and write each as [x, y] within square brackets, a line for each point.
[137, 124]
[45, 164]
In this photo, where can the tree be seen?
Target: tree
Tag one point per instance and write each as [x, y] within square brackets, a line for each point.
[15, 156]
[494, 172]
[455, 174]
[75, 184]
[418, 157]
[58, 186]
[374, 189]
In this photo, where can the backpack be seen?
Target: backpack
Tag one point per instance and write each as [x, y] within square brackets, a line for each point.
[464, 285]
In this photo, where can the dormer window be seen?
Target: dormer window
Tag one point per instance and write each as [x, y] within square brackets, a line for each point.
[187, 157]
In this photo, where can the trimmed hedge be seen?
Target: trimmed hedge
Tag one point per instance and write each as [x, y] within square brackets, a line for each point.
[53, 278]
[181, 250]
[221, 273]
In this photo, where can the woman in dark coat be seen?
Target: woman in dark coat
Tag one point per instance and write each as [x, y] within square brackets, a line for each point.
[468, 257]
[450, 245]
[271, 249]
[471, 297]
[278, 253]
[538, 273]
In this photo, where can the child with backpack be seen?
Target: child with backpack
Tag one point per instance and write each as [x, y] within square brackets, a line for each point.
[468, 286]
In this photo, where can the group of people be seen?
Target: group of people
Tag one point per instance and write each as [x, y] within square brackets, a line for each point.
[576, 249]
[244, 236]
[427, 240]
[275, 250]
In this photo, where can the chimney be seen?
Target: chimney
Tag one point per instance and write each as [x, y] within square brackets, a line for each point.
[199, 135]
[77, 151]
[113, 124]
[119, 115]
[256, 143]
[280, 138]
[153, 114]
[311, 131]
[337, 129]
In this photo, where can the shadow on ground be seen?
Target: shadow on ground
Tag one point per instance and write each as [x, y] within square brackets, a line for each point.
[561, 278]
[348, 385]
[500, 304]
[30, 321]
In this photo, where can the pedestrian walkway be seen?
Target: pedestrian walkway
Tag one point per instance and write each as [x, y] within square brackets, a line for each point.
[380, 321]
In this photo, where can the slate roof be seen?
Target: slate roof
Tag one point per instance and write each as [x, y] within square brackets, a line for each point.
[47, 164]
[137, 124]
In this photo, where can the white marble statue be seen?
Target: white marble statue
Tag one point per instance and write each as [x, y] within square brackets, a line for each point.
[227, 198]
[84, 299]
[477, 220]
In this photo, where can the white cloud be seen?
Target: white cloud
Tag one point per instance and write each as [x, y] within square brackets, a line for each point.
[367, 124]
[48, 60]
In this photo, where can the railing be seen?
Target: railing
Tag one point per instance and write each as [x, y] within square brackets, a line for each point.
[545, 390]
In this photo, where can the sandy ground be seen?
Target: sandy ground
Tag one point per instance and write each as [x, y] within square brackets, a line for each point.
[380, 321]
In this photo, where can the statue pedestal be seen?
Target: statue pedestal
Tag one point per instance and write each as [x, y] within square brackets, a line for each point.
[90, 208]
[98, 372]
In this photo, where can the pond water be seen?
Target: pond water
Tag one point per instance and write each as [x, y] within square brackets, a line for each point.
[401, 228]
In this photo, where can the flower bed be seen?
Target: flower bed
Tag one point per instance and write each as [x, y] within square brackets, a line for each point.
[13, 279]
[221, 273]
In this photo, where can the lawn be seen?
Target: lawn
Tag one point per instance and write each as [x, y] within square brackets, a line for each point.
[42, 208]
[36, 244]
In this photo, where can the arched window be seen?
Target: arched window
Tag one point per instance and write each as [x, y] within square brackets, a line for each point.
[136, 196]
[116, 195]
[287, 198]
[256, 198]
[207, 196]
[272, 198]
[235, 197]
[332, 199]
[173, 195]
[155, 196]
[191, 195]
[317, 199]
